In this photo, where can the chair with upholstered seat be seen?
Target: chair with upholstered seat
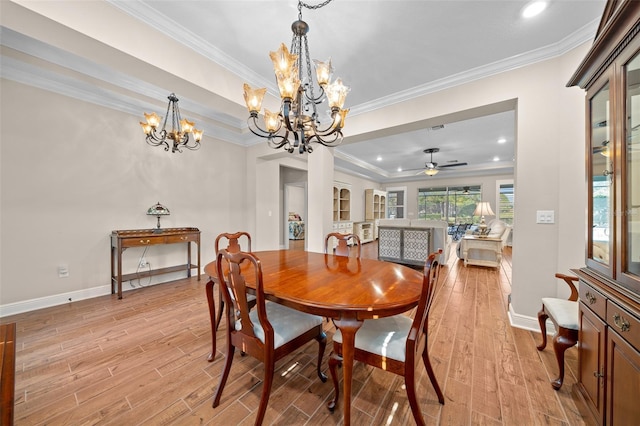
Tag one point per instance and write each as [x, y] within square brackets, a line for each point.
[397, 343]
[564, 316]
[342, 248]
[233, 245]
[269, 332]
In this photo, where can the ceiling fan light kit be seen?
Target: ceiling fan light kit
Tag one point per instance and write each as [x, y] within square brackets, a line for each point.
[431, 168]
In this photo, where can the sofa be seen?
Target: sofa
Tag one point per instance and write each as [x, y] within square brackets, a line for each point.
[410, 241]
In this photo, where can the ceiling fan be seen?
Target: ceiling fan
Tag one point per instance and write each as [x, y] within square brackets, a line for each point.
[431, 168]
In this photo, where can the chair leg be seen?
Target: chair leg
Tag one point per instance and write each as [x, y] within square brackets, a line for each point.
[334, 360]
[209, 291]
[322, 344]
[560, 345]
[225, 373]
[432, 375]
[542, 320]
[410, 385]
[269, 368]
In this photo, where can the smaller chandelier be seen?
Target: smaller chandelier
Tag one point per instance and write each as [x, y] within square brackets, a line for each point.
[298, 113]
[179, 133]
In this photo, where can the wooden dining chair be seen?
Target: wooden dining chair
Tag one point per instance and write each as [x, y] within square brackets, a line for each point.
[396, 343]
[564, 315]
[269, 332]
[233, 245]
[343, 249]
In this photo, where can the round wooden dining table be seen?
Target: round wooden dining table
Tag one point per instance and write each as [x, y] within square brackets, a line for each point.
[347, 289]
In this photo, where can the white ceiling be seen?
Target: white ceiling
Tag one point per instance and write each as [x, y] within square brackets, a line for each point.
[386, 51]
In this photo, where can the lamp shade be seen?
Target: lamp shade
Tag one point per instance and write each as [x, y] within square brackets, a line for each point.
[158, 210]
[483, 208]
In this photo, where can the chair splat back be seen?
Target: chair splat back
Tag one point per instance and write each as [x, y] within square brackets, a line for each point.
[235, 288]
[233, 241]
[417, 339]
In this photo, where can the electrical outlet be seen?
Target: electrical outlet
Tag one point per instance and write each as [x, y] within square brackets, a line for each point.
[143, 263]
[63, 271]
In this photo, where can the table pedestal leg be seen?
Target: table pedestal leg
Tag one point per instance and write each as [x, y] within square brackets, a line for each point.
[348, 328]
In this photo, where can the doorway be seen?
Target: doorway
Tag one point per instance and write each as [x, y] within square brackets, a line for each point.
[294, 213]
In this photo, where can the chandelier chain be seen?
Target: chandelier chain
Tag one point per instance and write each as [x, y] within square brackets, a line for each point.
[311, 6]
[312, 98]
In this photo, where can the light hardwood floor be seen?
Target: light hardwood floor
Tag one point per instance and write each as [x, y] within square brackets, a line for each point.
[143, 360]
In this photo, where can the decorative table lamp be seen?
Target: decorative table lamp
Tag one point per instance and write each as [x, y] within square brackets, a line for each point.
[158, 210]
[483, 208]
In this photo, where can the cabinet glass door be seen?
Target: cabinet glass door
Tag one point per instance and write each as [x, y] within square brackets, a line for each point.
[631, 169]
[601, 176]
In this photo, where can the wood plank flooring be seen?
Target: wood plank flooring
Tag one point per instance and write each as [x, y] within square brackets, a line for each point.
[142, 360]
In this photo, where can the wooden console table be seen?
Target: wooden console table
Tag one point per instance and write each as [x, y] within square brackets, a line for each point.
[123, 239]
[493, 246]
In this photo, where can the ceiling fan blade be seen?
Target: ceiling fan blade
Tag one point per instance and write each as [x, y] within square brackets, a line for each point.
[452, 165]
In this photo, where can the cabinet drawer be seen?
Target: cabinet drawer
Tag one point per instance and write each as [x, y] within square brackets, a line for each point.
[171, 239]
[625, 324]
[142, 241]
[593, 299]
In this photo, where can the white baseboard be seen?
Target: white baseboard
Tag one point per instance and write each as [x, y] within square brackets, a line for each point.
[54, 300]
[527, 323]
[73, 296]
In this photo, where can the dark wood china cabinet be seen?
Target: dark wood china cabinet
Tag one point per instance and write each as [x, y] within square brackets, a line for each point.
[609, 339]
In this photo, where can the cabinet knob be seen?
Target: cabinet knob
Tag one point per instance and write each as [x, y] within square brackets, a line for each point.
[184, 238]
[598, 374]
[144, 242]
[621, 323]
[590, 298]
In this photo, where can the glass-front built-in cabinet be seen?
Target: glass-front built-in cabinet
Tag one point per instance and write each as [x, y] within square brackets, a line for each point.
[600, 180]
[630, 167]
[613, 104]
[609, 308]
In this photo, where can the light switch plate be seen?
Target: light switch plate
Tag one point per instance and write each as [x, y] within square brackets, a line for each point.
[545, 216]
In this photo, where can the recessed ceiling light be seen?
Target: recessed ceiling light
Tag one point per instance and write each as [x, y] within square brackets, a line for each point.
[502, 140]
[496, 158]
[399, 169]
[534, 8]
[379, 158]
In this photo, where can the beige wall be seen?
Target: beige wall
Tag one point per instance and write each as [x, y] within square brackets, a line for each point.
[71, 172]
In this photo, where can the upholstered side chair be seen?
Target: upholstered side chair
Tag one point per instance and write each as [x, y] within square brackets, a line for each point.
[397, 343]
[565, 317]
[269, 332]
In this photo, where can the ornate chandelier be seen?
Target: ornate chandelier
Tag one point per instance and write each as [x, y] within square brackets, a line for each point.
[298, 111]
[179, 133]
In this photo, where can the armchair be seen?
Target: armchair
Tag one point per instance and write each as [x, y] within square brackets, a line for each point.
[564, 315]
